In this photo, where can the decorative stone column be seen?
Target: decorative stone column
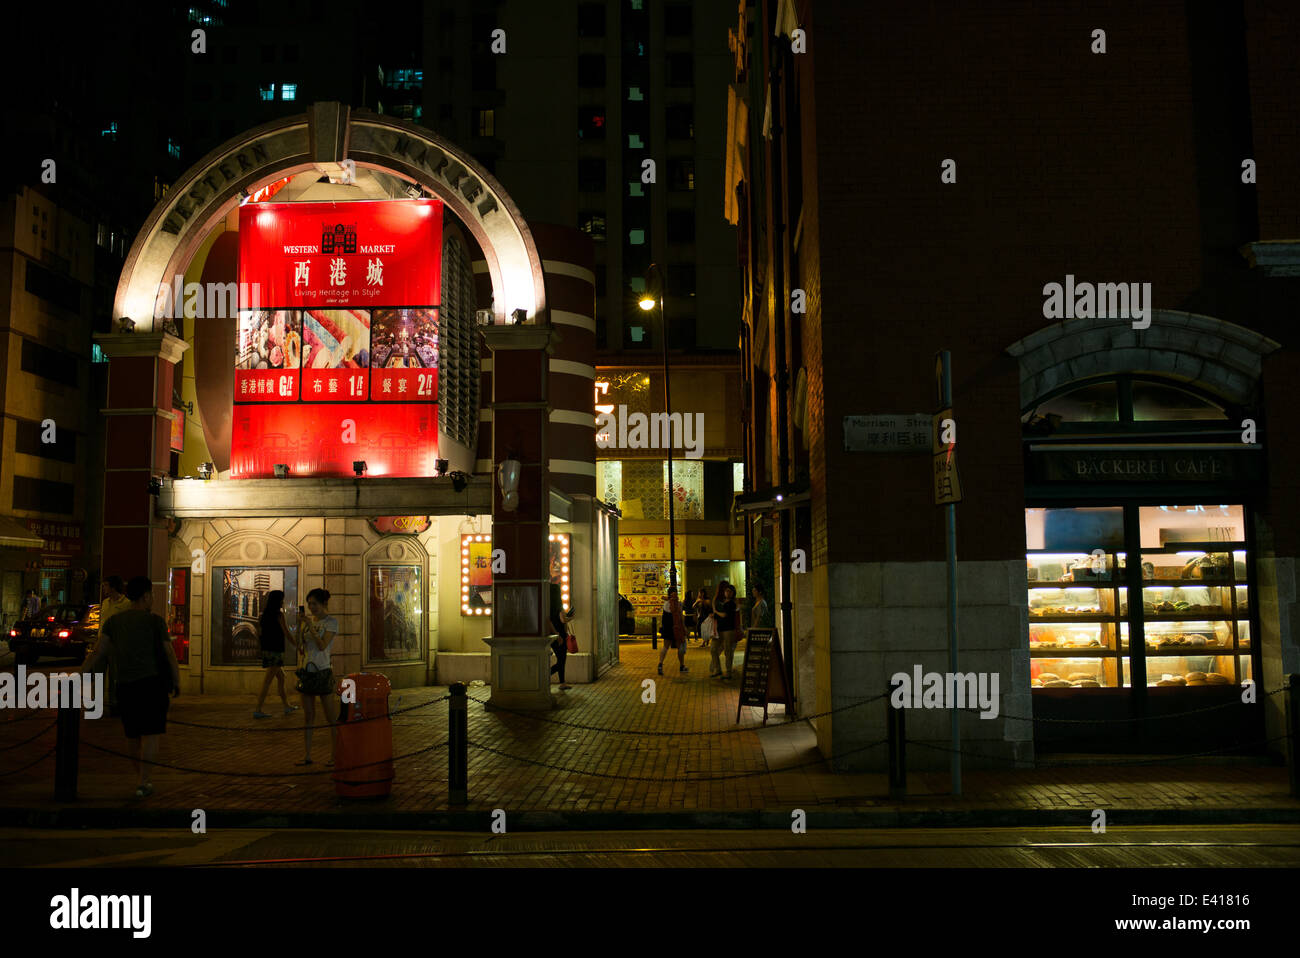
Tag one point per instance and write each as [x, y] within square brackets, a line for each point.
[137, 449]
[520, 638]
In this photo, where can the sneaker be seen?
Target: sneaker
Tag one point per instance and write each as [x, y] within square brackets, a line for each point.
[263, 715]
[683, 669]
[290, 709]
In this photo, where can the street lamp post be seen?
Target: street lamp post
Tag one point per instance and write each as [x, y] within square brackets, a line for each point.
[648, 303]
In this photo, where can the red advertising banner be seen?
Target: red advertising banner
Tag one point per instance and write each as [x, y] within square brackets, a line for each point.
[324, 440]
[359, 254]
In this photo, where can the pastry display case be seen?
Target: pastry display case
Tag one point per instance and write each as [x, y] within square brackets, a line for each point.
[1074, 619]
[1195, 614]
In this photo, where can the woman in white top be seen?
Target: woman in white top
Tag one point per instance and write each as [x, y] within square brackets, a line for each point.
[315, 638]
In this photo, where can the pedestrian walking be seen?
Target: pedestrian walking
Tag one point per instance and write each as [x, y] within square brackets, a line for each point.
[724, 608]
[113, 600]
[560, 623]
[760, 614]
[31, 605]
[672, 626]
[137, 644]
[316, 633]
[272, 630]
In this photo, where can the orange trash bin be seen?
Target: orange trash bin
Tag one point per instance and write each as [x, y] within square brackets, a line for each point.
[363, 763]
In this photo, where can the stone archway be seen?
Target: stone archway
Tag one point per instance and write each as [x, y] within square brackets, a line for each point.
[1216, 355]
[324, 139]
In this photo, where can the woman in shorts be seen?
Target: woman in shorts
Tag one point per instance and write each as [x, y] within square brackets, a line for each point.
[316, 634]
[271, 635]
[136, 642]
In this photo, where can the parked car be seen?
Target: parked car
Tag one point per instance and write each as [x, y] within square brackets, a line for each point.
[58, 631]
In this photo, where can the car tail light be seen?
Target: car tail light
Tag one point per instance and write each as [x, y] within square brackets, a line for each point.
[13, 633]
[64, 633]
[50, 619]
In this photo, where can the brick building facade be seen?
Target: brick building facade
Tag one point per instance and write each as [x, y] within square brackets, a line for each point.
[1122, 166]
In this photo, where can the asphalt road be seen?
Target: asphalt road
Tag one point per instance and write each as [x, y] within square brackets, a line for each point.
[1147, 847]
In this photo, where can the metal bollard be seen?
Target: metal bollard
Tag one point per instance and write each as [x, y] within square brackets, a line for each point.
[66, 754]
[896, 726]
[457, 746]
[1293, 732]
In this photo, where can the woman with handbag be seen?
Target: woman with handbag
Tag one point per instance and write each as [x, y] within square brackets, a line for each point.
[703, 615]
[564, 643]
[672, 627]
[316, 634]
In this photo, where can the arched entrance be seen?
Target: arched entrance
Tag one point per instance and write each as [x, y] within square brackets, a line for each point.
[1143, 476]
[328, 138]
[337, 143]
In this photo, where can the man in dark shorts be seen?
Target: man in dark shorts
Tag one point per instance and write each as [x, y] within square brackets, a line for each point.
[137, 643]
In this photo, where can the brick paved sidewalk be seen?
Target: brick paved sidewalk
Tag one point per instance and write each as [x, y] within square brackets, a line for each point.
[252, 769]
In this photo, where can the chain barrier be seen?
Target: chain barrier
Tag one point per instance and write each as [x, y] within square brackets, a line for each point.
[1108, 763]
[664, 778]
[23, 768]
[652, 733]
[326, 771]
[36, 713]
[299, 728]
[1103, 721]
[5, 748]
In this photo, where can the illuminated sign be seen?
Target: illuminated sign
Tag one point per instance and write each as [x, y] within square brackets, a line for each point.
[475, 574]
[559, 556]
[322, 379]
[400, 525]
[602, 389]
[380, 253]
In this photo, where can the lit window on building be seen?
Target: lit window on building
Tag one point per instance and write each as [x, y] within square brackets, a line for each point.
[288, 91]
[636, 237]
[634, 141]
[267, 91]
[634, 94]
[487, 123]
[110, 130]
[173, 150]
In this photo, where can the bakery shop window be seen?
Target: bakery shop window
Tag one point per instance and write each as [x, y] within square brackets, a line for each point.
[1195, 597]
[1074, 560]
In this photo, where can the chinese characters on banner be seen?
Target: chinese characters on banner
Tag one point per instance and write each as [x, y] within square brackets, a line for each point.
[649, 547]
[338, 336]
[404, 359]
[359, 255]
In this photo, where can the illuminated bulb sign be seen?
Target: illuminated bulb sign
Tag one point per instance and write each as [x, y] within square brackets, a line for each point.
[475, 574]
[559, 543]
[476, 571]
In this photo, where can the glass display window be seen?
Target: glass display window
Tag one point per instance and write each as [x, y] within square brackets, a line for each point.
[1194, 614]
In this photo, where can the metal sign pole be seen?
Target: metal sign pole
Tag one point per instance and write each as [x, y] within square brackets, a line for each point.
[950, 513]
